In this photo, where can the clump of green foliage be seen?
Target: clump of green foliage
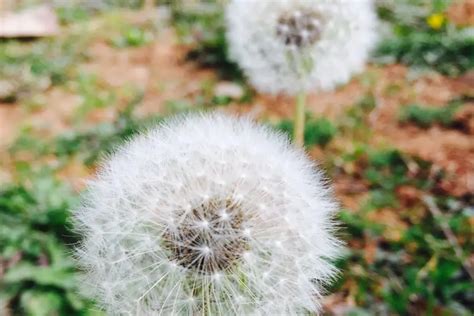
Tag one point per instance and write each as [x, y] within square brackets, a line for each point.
[427, 116]
[203, 27]
[90, 144]
[399, 259]
[354, 124]
[441, 46]
[318, 131]
[68, 14]
[448, 53]
[29, 67]
[74, 11]
[414, 268]
[208, 99]
[38, 276]
[132, 37]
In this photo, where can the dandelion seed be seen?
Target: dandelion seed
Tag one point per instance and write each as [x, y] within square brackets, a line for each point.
[185, 252]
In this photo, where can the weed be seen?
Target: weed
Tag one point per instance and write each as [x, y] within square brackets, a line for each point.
[204, 29]
[132, 37]
[318, 131]
[449, 54]
[39, 275]
[427, 116]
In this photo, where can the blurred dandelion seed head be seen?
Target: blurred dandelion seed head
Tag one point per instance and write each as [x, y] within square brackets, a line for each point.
[288, 46]
[207, 214]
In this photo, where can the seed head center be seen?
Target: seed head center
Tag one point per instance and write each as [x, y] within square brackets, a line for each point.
[299, 29]
[209, 237]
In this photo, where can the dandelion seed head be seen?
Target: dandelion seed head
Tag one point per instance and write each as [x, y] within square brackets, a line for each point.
[289, 46]
[159, 237]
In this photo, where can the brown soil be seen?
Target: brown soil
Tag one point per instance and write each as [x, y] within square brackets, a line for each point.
[461, 12]
[9, 116]
[451, 150]
[158, 68]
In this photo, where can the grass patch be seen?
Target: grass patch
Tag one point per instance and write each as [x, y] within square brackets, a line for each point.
[425, 117]
[39, 275]
[132, 36]
[318, 131]
[204, 29]
[31, 67]
[399, 258]
[91, 144]
[447, 53]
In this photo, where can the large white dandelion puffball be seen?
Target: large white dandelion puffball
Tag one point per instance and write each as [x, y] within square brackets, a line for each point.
[292, 46]
[207, 214]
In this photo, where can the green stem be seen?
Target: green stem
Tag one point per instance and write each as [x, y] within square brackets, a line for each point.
[298, 132]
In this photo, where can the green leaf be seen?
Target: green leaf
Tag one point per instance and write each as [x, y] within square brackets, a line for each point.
[41, 303]
[317, 131]
[48, 276]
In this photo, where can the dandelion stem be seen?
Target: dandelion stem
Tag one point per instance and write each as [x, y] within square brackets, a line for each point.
[298, 132]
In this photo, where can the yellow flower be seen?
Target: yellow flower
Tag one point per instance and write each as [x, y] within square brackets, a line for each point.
[436, 21]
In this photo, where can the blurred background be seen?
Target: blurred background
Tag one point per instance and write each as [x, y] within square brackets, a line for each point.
[78, 77]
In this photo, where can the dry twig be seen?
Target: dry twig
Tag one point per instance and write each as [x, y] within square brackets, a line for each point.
[435, 211]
